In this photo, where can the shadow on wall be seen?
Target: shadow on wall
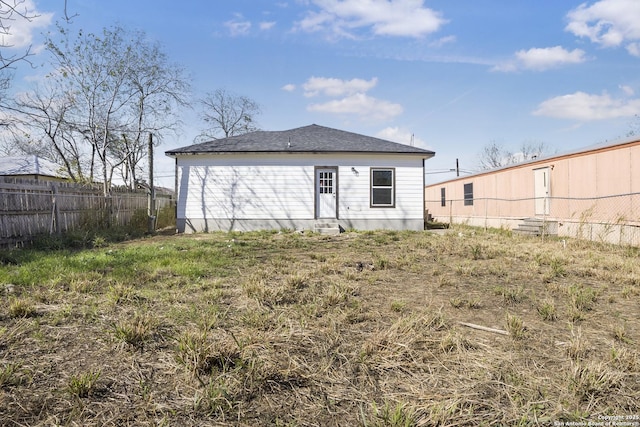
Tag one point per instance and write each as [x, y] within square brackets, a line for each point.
[232, 195]
[253, 197]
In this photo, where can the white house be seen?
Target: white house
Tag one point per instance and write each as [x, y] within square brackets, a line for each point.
[303, 178]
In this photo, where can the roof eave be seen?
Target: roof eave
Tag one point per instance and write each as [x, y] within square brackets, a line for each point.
[427, 154]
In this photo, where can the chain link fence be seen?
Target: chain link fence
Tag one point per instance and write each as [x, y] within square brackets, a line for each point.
[611, 219]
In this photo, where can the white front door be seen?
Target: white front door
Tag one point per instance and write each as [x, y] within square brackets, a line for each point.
[542, 190]
[326, 193]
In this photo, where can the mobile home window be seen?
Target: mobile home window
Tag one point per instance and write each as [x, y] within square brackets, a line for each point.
[383, 187]
[443, 196]
[468, 194]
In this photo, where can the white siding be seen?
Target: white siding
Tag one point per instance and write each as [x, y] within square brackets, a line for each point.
[354, 196]
[247, 192]
[282, 186]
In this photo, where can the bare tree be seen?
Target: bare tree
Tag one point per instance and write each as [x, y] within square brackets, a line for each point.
[159, 87]
[634, 127]
[39, 126]
[12, 11]
[122, 88]
[531, 150]
[94, 69]
[495, 155]
[228, 114]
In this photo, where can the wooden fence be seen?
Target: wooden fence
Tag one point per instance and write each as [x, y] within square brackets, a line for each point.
[30, 208]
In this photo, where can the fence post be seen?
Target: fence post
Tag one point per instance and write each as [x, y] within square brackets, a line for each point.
[544, 217]
[486, 213]
[109, 208]
[55, 211]
[151, 225]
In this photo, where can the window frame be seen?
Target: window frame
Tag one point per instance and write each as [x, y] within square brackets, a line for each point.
[468, 194]
[443, 196]
[391, 187]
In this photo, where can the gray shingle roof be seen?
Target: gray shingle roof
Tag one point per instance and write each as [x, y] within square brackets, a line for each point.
[307, 139]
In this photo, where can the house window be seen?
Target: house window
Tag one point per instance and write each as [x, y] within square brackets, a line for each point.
[468, 194]
[443, 196]
[383, 188]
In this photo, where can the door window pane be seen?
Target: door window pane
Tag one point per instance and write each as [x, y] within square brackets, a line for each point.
[326, 183]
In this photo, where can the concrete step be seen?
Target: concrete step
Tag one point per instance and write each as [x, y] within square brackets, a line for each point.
[527, 232]
[529, 227]
[534, 220]
[327, 228]
[536, 227]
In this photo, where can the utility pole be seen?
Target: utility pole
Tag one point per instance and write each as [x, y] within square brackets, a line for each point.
[457, 168]
[151, 205]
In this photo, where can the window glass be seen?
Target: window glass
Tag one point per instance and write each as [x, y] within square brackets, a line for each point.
[382, 187]
[382, 196]
[468, 194]
[382, 178]
[326, 183]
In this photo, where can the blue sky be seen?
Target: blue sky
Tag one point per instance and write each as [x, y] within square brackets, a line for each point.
[453, 76]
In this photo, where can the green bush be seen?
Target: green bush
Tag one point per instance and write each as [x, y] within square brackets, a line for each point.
[139, 221]
[166, 217]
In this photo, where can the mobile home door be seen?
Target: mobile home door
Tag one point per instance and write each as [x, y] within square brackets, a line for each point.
[542, 190]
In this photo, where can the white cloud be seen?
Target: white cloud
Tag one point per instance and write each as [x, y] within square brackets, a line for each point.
[289, 87]
[506, 67]
[587, 107]
[609, 23]
[21, 30]
[443, 41]
[264, 26]
[361, 105]
[336, 87]
[349, 98]
[541, 59]
[634, 49]
[402, 136]
[401, 18]
[628, 90]
[238, 27]
[314, 21]
[545, 58]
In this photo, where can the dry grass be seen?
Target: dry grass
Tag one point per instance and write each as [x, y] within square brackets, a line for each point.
[307, 330]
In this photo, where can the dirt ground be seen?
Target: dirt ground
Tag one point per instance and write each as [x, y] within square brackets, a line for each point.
[465, 327]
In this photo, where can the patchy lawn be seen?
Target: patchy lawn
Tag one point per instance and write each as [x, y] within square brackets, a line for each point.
[370, 329]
